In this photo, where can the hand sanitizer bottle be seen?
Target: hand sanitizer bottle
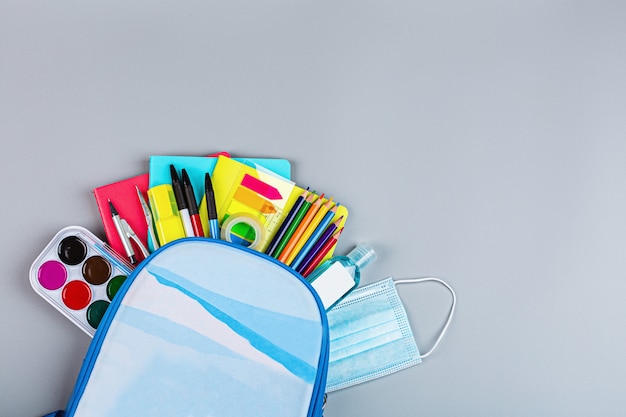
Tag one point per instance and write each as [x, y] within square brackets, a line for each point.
[339, 275]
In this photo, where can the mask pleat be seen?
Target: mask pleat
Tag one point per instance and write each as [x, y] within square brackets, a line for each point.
[370, 336]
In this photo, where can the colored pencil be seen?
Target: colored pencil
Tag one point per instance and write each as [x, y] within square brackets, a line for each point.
[286, 222]
[309, 229]
[319, 243]
[294, 224]
[313, 236]
[297, 234]
[323, 252]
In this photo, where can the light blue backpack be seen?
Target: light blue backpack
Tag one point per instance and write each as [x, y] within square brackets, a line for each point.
[207, 328]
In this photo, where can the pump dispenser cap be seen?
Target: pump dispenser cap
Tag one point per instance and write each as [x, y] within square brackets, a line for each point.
[362, 255]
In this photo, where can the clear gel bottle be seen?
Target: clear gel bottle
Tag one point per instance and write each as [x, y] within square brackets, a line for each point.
[339, 275]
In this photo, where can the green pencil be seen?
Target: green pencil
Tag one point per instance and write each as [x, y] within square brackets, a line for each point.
[294, 224]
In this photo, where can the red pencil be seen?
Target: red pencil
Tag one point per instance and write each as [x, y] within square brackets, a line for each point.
[317, 246]
[315, 261]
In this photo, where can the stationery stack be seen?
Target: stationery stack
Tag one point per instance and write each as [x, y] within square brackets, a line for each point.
[248, 201]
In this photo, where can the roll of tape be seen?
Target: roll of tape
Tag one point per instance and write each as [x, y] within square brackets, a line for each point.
[238, 218]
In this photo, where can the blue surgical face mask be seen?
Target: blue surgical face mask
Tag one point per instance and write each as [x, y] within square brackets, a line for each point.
[370, 335]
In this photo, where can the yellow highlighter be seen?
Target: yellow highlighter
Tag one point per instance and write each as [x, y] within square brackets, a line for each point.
[167, 221]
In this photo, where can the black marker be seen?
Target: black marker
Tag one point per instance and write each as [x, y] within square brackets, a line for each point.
[190, 197]
[181, 203]
[209, 195]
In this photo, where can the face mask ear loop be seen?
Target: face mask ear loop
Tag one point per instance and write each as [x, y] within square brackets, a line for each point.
[452, 307]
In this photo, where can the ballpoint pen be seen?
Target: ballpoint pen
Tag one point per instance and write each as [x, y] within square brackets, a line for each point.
[148, 215]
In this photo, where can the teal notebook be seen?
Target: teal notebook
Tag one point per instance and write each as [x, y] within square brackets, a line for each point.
[196, 167]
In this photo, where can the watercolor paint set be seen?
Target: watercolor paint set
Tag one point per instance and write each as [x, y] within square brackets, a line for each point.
[79, 275]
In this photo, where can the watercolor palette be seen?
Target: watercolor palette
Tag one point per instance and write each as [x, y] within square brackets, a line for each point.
[79, 275]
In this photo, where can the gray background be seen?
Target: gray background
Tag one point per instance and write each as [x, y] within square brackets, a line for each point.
[482, 142]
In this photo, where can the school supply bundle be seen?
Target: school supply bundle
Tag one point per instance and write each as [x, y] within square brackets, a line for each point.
[211, 296]
[189, 315]
[249, 201]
